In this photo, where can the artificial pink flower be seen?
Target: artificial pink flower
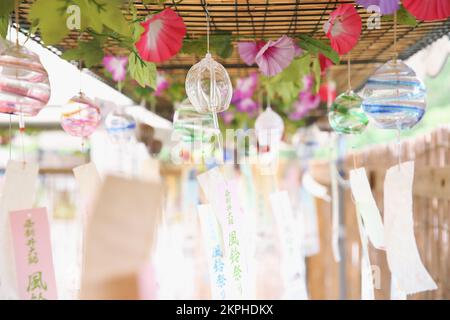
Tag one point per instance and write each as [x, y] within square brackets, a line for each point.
[117, 66]
[343, 28]
[163, 36]
[161, 85]
[325, 63]
[274, 56]
[249, 50]
[428, 10]
[327, 92]
[245, 87]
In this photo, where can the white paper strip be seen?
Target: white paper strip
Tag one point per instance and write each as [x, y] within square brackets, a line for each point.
[335, 228]
[315, 188]
[396, 292]
[18, 193]
[309, 224]
[88, 180]
[367, 289]
[214, 251]
[293, 264]
[402, 255]
[367, 207]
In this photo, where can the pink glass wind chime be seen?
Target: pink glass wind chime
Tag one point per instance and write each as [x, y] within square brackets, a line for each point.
[24, 83]
[81, 115]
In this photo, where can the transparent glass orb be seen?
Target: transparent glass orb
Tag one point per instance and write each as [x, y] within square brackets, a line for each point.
[193, 126]
[269, 127]
[80, 116]
[346, 115]
[120, 126]
[208, 86]
[24, 84]
[394, 98]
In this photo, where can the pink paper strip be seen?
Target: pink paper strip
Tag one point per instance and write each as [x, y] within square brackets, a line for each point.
[33, 254]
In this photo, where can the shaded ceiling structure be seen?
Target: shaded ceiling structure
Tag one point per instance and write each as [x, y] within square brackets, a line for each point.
[258, 19]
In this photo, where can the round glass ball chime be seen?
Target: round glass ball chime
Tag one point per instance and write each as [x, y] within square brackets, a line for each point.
[346, 115]
[24, 82]
[394, 98]
[120, 126]
[80, 116]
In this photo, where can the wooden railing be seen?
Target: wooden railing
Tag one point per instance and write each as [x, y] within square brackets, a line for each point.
[431, 194]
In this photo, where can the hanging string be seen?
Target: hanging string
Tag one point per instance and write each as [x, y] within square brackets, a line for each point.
[349, 72]
[399, 149]
[16, 12]
[21, 119]
[395, 37]
[207, 26]
[399, 144]
[10, 136]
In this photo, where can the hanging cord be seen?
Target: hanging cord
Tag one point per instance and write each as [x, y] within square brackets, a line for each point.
[16, 12]
[395, 37]
[21, 119]
[349, 82]
[399, 143]
[10, 136]
[212, 90]
[208, 21]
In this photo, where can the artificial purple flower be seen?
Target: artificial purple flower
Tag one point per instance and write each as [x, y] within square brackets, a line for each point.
[247, 105]
[161, 85]
[386, 6]
[298, 51]
[117, 66]
[227, 117]
[306, 100]
[249, 50]
[245, 87]
[276, 55]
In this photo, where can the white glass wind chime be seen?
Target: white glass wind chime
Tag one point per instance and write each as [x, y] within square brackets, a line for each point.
[208, 85]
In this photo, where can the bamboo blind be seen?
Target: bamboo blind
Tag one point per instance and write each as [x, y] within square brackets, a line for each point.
[257, 19]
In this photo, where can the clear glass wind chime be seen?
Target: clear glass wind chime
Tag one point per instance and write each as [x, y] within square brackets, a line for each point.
[208, 85]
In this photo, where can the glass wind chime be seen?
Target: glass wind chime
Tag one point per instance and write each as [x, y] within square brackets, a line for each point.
[24, 82]
[269, 127]
[346, 115]
[81, 115]
[394, 97]
[208, 86]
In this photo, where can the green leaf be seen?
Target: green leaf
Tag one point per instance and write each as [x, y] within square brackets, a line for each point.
[91, 53]
[403, 17]
[316, 46]
[141, 71]
[90, 15]
[113, 18]
[4, 22]
[220, 44]
[51, 17]
[315, 68]
[289, 82]
[6, 7]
